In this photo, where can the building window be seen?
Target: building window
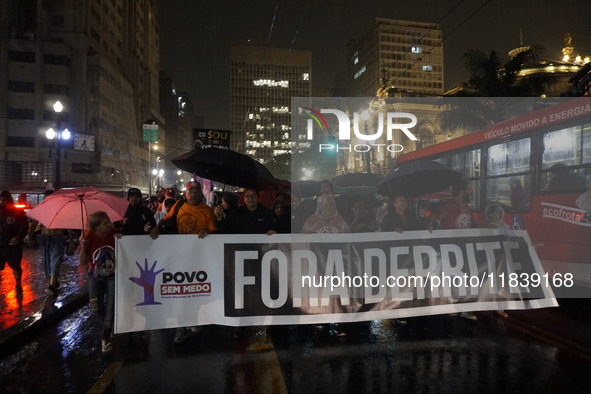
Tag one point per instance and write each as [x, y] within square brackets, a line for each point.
[82, 168]
[358, 73]
[20, 113]
[51, 115]
[20, 142]
[19, 56]
[59, 60]
[21, 86]
[427, 68]
[10, 172]
[50, 88]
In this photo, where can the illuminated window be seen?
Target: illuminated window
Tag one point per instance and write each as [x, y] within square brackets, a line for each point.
[306, 76]
[281, 110]
[427, 68]
[358, 73]
[416, 49]
[563, 149]
[271, 83]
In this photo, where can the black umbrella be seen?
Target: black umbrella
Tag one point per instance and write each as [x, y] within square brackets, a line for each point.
[356, 179]
[226, 166]
[418, 177]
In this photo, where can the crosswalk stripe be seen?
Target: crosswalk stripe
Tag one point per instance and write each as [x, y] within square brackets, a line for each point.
[106, 378]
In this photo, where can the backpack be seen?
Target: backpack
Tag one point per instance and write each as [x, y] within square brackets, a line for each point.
[169, 225]
[104, 264]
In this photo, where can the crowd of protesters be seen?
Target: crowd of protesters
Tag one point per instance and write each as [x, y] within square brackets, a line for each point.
[229, 213]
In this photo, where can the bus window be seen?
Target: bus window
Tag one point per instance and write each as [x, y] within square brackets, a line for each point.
[467, 163]
[508, 177]
[564, 149]
[509, 157]
[587, 144]
[511, 192]
[561, 178]
[442, 160]
[474, 203]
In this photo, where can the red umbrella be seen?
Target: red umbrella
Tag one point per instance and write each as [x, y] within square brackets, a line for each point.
[69, 208]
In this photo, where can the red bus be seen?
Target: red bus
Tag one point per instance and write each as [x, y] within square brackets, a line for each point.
[538, 168]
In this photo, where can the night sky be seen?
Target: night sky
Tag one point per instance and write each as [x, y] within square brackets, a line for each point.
[196, 35]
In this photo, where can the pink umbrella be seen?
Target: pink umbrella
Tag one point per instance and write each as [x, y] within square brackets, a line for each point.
[69, 208]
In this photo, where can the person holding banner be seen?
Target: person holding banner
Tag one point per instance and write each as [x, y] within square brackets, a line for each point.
[224, 209]
[191, 217]
[97, 250]
[327, 220]
[455, 214]
[253, 218]
[401, 217]
[139, 219]
[494, 217]
[362, 217]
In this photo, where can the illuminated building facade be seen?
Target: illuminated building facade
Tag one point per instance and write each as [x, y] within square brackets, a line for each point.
[262, 83]
[397, 55]
[561, 70]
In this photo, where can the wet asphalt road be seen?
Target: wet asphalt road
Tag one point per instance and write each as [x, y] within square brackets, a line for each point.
[439, 354]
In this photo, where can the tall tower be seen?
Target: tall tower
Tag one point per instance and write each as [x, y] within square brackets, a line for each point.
[100, 59]
[262, 82]
[396, 55]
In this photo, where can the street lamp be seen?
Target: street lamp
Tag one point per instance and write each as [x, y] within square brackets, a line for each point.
[365, 117]
[113, 171]
[158, 173]
[58, 135]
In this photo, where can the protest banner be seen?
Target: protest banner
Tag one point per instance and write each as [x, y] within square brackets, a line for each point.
[182, 280]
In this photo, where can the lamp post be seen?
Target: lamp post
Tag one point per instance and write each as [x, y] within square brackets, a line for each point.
[113, 171]
[365, 117]
[149, 135]
[155, 170]
[58, 135]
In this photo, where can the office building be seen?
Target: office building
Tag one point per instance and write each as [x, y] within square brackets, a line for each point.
[100, 60]
[396, 56]
[263, 81]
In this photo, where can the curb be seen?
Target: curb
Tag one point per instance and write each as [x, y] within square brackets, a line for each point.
[16, 335]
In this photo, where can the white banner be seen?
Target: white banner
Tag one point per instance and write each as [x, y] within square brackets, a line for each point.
[239, 280]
